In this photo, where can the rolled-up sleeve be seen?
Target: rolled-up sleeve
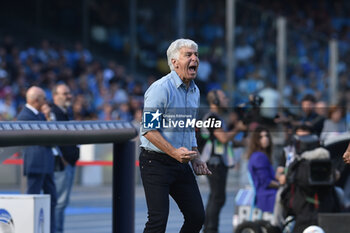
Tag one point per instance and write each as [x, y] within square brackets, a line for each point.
[156, 98]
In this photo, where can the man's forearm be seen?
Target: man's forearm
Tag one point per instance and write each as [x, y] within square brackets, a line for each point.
[225, 137]
[196, 150]
[160, 142]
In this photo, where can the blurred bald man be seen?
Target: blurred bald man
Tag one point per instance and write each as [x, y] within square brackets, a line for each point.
[39, 160]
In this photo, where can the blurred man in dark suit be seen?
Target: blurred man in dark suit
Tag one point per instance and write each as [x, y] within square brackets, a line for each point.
[39, 160]
[61, 110]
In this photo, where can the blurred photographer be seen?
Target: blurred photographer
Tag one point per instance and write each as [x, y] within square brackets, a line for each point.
[306, 173]
[219, 157]
[289, 153]
[286, 158]
[249, 112]
[308, 116]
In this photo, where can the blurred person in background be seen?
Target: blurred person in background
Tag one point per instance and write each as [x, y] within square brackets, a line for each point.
[220, 158]
[335, 123]
[288, 154]
[321, 108]
[261, 170]
[39, 161]
[283, 161]
[7, 106]
[123, 112]
[105, 113]
[309, 116]
[81, 53]
[239, 144]
[46, 53]
[81, 108]
[120, 96]
[61, 110]
[272, 100]
[204, 72]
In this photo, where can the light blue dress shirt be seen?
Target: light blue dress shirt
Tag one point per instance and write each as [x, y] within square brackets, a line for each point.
[170, 97]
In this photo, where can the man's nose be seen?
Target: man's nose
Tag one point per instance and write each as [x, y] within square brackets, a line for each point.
[194, 57]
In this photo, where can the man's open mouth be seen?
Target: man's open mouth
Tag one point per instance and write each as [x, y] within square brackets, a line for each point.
[192, 68]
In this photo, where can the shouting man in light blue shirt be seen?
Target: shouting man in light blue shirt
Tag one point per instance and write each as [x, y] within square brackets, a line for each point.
[168, 142]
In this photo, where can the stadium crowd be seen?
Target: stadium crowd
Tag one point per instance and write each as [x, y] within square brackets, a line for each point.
[106, 90]
[101, 92]
[109, 91]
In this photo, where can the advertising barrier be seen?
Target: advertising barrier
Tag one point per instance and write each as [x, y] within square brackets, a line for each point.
[25, 213]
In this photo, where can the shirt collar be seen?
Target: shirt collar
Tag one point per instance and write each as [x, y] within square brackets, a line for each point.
[34, 110]
[178, 82]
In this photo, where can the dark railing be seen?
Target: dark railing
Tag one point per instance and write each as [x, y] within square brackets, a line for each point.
[24, 133]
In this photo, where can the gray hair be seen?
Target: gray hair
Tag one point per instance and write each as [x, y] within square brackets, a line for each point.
[173, 51]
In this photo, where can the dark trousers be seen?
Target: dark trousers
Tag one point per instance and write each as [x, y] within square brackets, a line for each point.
[163, 176]
[217, 197]
[45, 182]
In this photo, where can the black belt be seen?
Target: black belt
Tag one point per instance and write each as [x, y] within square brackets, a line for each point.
[152, 151]
[149, 154]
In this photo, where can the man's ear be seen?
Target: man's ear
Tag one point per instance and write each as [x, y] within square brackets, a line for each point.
[174, 61]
